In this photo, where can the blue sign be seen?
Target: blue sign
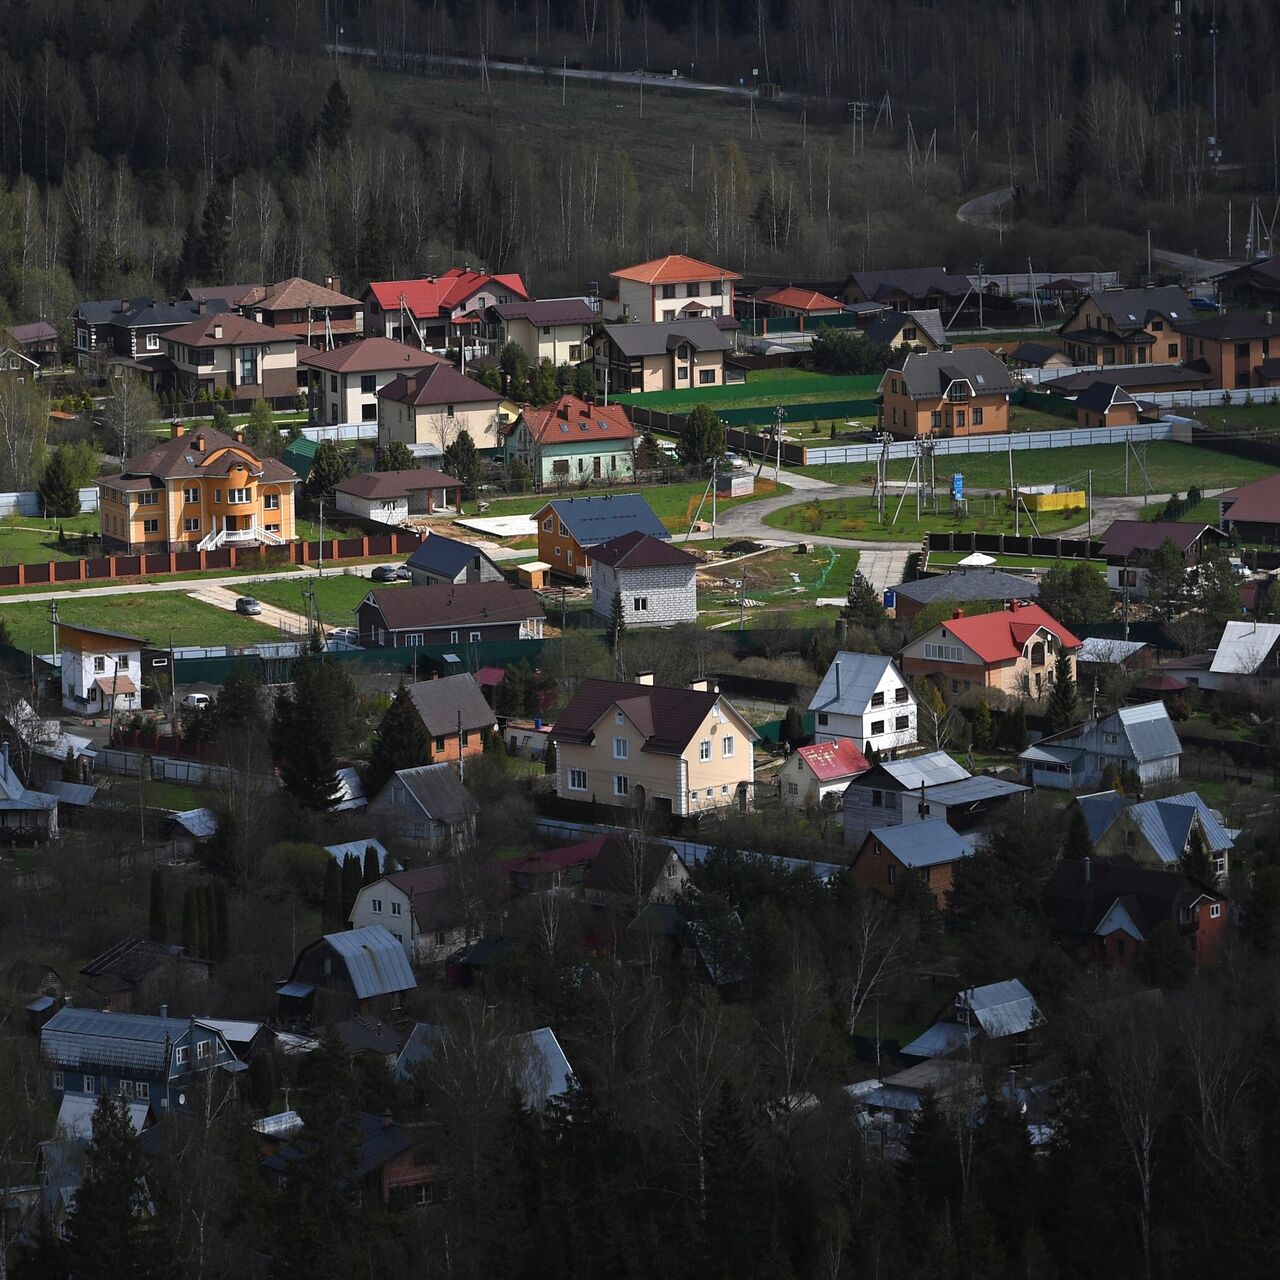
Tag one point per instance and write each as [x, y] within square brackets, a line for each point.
[890, 599]
[957, 487]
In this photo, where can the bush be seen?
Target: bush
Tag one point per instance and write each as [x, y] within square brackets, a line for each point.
[297, 866]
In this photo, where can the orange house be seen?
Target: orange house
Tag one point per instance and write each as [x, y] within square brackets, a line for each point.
[569, 527]
[1239, 350]
[1106, 405]
[946, 393]
[1127, 326]
[455, 715]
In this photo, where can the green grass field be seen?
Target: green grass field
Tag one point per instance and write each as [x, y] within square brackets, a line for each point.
[30, 539]
[1204, 512]
[762, 387]
[1009, 562]
[336, 595]
[1233, 417]
[159, 616]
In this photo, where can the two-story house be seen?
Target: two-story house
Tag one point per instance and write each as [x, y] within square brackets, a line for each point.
[1140, 738]
[1255, 285]
[101, 671]
[555, 329]
[426, 910]
[132, 328]
[441, 561]
[1157, 833]
[961, 585]
[636, 743]
[864, 697]
[432, 408]
[454, 714]
[1238, 349]
[1252, 511]
[196, 490]
[946, 393]
[345, 381]
[927, 850]
[627, 874]
[220, 352]
[1013, 650]
[568, 528]
[912, 330]
[676, 287]
[573, 441]
[157, 1060]
[456, 614]
[1127, 326]
[318, 314]
[653, 580]
[672, 355]
[437, 310]
[357, 971]
[1128, 545]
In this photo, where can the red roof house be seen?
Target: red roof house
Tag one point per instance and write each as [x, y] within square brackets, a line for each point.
[795, 301]
[823, 769]
[438, 303]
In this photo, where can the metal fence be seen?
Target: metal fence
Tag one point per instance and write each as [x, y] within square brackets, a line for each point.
[26, 502]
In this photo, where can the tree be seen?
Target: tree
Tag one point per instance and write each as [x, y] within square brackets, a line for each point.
[617, 618]
[1196, 861]
[372, 871]
[514, 364]
[59, 488]
[702, 437]
[1075, 593]
[396, 457]
[128, 411]
[793, 731]
[463, 462]
[862, 605]
[157, 917]
[222, 418]
[1166, 578]
[1217, 591]
[1063, 706]
[261, 432]
[937, 722]
[542, 383]
[400, 742]
[1077, 843]
[584, 381]
[375, 257]
[331, 919]
[1014, 728]
[352, 875]
[191, 924]
[847, 351]
[335, 116]
[329, 467]
[221, 920]
[205, 247]
[983, 728]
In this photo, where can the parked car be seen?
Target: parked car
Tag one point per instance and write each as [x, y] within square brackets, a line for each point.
[403, 574]
[196, 701]
[248, 606]
[1204, 304]
[349, 634]
[386, 572]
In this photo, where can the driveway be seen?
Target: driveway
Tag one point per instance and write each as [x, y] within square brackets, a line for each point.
[288, 622]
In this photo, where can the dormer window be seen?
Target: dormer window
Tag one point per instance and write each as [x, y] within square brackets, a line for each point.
[958, 392]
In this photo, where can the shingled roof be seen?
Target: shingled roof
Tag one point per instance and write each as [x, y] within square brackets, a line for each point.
[638, 340]
[675, 268]
[294, 294]
[436, 385]
[1000, 636]
[928, 374]
[571, 420]
[225, 330]
[201, 452]
[452, 702]
[454, 604]
[370, 355]
[636, 550]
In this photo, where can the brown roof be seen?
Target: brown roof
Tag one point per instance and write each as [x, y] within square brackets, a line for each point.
[294, 294]
[667, 717]
[455, 604]
[224, 330]
[396, 484]
[675, 268]
[368, 356]
[799, 299]
[182, 456]
[1124, 537]
[640, 551]
[1258, 503]
[440, 384]
[613, 869]
[570, 420]
[432, 893]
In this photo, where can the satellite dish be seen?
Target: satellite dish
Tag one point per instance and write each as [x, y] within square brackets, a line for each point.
[182, 1099]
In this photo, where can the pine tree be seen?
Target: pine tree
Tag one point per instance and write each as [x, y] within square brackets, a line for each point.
[401, 742]
[371, 869]
[329, 467]
[584, 381]
[542, 383]
[793, 733]
[1063, 706]
[335, 115]
[208, 922]
[396, 457]
[58, 489]
[351, 876]
[221, 921]
[983, 728]
[375, 257]
[462, 462]
[617, 618]
[862, 606]
[702, 439]
[205, 250]
[1077, 843]
[157, 922]
[331, 899]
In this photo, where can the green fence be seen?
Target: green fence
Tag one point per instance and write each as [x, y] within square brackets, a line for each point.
[1043, 402]
[763, 325]
[771, 732]
[762, 415]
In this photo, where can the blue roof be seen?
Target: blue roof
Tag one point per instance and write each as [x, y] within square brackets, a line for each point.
[941, 1039]
[375, 961]
[971, 790]
[297, 990]
[924, 844]
[444, 556]
[1100, 810]
[74, 1035]
[419, 1047]
[592, 521]
[1165, 823]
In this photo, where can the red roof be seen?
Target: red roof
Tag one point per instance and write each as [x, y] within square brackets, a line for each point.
[799, 299]
[1258, 502]
[831, 761]
[570, 420]
[635, 550]
[372, 355]
[1001, 636]
[675, 268]
[430, 296]
[574, 855]
[488, 676]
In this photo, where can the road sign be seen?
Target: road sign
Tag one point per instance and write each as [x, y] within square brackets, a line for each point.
[957, 487]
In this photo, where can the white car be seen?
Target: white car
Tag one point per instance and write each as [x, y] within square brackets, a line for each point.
[349, 634]
[196, 701]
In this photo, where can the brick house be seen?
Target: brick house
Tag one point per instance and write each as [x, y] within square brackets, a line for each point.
[455, 715]
[676, 287]
[655, 580]
[429, 410]
[345, 381]
[555, 329]
[945, 393]
[317, 314]
[435, 310]
[927, 850]
[1127, 326]
[1238, 349]
[230, 352]
[569, 527]
[1103, 404]
[670, 355]
[453, 614]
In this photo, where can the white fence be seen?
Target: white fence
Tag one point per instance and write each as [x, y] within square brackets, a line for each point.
[27, 503]
[159, 768]
[1213, 398]
[341, 431]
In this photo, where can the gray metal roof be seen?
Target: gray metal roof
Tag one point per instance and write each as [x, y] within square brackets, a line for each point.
[356, 848]
[73, 793]
[445, 556]
[1244, 647]
[971, 790]
[927, 375]
[74, 1036]
[858, 675]
[1052, 754]
[1149, 730]
[1101, 649]
[941, 1039]
[375, 961]
[201, 823]
[636, 340]
[970, 584]
[932, 769]
[438, 791]
[295, 990]
[350, 794]
[592, 521]
[924, 844]
[1100, 809]
[1166, 825]
[75, 1115]
[888, 325]
[544, 1071]
[419, 1047]
[1003, 1008]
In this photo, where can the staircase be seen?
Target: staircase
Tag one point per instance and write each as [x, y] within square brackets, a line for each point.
[255, 536]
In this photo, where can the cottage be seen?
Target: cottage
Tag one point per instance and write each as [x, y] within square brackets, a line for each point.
[794, 302]
[818, 774]
[964, 585]
[230, 352]
[1003, 1012]
[1239, 349]
[439, 310]
[468, 613]
[653, 580]
[864, 697]
[137, 973]
[1038, 355]
[427, 809]
[1157, 833]
[1255, 286]
[319, 314]
[1140, 738]
[1252, 511]
[344, 382]
[675, 287]
[392, 497]
[132, 328]
[573, 441]
[670, 355]
[455, 714]
[569, 527]
[1128, 545]
[430, 409]
[1126, 326]
[101, 670]
[928, 850]
[915, 330]
[26, 816]
[945, 393]
[1104, 404]
[555, 329]
[1140, 379]
[445, 561]
[907, 289]
[358, 971]
[425, 910]
[626, 874]
[37, 340]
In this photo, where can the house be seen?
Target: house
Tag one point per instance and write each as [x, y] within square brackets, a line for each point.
[155, 1060]
[676, 287]
[569, 527]
[945, 393]
[445, 561]
[1251, 512]
[1253, 286]
[228, 352]
[455, 714]
[1246, 660]
[1126, 326]
[137, 972]
[550, 870]
[36, 340]
[26, 816]
[806, 305]
[918, 330]
[863, 697]
[906, 289]
[356, 971]
[318, 314]
[928, 850]
[15, 361]
[426, 910]
[962, 585]
[426, 809]
[434, 407]
[1238, 349]
[653, 578]
[1013, 650]
[1103, 404]
[357, 849]
[555, 329]
[1038, 355]
[228, 295]
[670, 355]
[1142, 379]
[1156, 833]
[1103, 911]
[1128, 545]
[101, 671]
[644, 745]
[45, 748]
[1098, 654]
[820, 772]
[898, 792]
[202, 490]
[345, 381]
[573, 441]
[438, 310]
[666, 931]
[131, 328]
[626, 874]
[1001, 1011]
[1140, 738]
[391, 497]
[466, 613]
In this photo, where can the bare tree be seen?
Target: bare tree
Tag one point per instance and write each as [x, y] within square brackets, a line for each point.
[874, 949]
[443, 429]
[1220, 1076]
[129, 410]
[24, 427]
[791, 1033]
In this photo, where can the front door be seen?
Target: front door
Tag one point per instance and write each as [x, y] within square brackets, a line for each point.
[595, 467]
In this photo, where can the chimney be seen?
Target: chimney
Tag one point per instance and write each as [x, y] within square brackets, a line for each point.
[201, 306]
[124, 304]
[837, 678]
[217, 331]
[1088, 868]
[644, 677]
[164, 1010]
[1268, 319]
[239, 435]
[177, 429]
[334, 283]
[197, 442]
[564, 410]
[957, 613]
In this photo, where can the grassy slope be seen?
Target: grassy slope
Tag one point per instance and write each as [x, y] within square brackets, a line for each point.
[767, 389]
[336, 596]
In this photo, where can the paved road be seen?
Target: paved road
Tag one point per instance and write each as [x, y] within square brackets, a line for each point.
[286, 620]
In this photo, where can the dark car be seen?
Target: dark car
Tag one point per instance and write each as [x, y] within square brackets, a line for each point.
[385, 572]
[248, 606]
[1204, 304]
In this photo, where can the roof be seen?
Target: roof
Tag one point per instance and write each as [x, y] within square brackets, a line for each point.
[571, 420]
[455, 604]
[225, 330]
[201, 823]
[446, 704]
[551, 860]
[75, 1115]
[445, 556]
[908, 282]
[351, 792]
[925, 844]
[832, 761]
[230, 293]
[378, 1141]
[396, 484]
[189, 454]
[856, 676]
[928, 374]
[375, 961]
[75, 1035]
[147, 313]
[235, 1030]
[73, 793]
[637, 550]
[1139, 376]
[437, 384]
[1258, 503]
[637, 340]
[418, 1048]
[799, 299]
[614, 869]
[1150, 731]
[675, 268]
[1231, 326]
[1103, 649]
[930, 770]
[438, 792]
[130, 962]
[544, 1072]
[551, 311]
[889, 324]
[427, 297]
[1165, 823]
[1132, 308]
[971, 790]
[1100, 396]
[14, 793]
[939, 1040]
[294, 294]
[591, 521]
[370, 355]
[667, 717]
[969, 584]
[1124, 537]
[1244, 646]
[33, 331]
[1035, 353]
[1001, 636]
[367, 1035]
[356, 849]
[1002, 1008]
[1080, 894]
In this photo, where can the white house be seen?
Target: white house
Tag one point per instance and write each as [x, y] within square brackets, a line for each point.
[422, 909]
[1141, 738]
[346, 380]
[863, 696]
[101, 670]
[820, 770]
[1247, 659]
[656, 580]
[391, 497]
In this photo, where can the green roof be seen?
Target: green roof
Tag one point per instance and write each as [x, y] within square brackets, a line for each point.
[300, 454]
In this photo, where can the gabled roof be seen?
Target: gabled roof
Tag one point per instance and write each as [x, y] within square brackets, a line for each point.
[1100, 809]
[1165, 823]
[432, 894]
[1134, 378]
[438, 792]
[188, 455]
[1258, 503]
[378, 1141]
[129, 962]
[228, 293]
[849, 682]
[75, 1035]
[370, 355]
[455, 604]
[1132, 308]
[797, 299]
[969, 584]
[75, 1115]
[1002, 1008]
[427, 297]
[445, 556]
[551, 860]
[614, 870]
[444, 705]
[551, 311]
[908, 282]
[1002, 635]
[675, 268]
[889, 324]
[294, 294]
[592, 521]
[1080, 895]
[928, 374]
[925, 844]
[1244, 647]
[396, 484]
[33, 331]
[1231, 326]
[1035, 353]
[374, 960]
[146, 313]
[227, 330]
[1100, 396]
[1124, 537]
[437, 384]
[544, 1071]
[637, 550]
[929, 770]
[1146, 728]
[1105, 649]
[833, 761]
[638, 340]
[571, 420]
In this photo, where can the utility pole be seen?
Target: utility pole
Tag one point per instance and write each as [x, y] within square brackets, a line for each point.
[1089, 505]
[1013, 492]
[778, 415]
[320, 572]
[742, 600]
[980, 283]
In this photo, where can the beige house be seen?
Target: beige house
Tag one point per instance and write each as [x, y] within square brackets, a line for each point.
[227, 350]
[676, 355]
[672, 288]
[1127, 326]
[428, 410]
[556, 329]
[344, 382]
[676, 750]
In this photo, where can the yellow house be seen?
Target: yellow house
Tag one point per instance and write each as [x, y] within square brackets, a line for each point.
[676, 750]
[430, 409]
[1127, 326]
[198, 490]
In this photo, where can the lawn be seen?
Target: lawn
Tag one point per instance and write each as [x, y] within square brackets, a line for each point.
[1022, 419]
[1010, 562]
[784, 602]
[1233, 417]
[163, 617]
[855, 518]
[1206, 511]
[793, 388]
[31, 540]
[336, 595]
[1172, 468]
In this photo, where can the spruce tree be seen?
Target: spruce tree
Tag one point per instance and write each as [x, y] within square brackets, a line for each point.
[401, 742]
[58, 489]
[793, 733]
[371, 869]
[396, 457]
[205, 252]
[1077, 843]
[157, 921]
[1015, 728]
[335, 115]
[221, 921]
[983, 730]
[862, 606]
[208, 922]
[190, 924]
[329, 467]
[351, 877]
[549, 762]
[617, 617]
[702, 439]
[584, 381]
[331, 898]
[542, 383]
[1063, 707]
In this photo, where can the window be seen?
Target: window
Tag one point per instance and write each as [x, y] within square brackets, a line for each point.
[793, 788]
[682, 372]
[439, 744]
[621, 784]
[877, 699]
[893, 873]
[640, 604]
[249, 364]
[619, 718]
[1242, 350]
[1214, 912]
[577, 779]
[706, 376]
[575, 352]
[935, 420]
[902, 722]
[203, 1049]
[1111, 739]
[182, 1055]
[58, 1080]
[99, 662]
[959, 417]
[877, 799]
[151, 526]
[668, 291]
[900, 695]
[368, 413]
[217, 495]
[475, 637]
[547, 523]
[376, 905]
[944, 652]
[977, 418]
[191, 524]
[726, 746]
[126, 1088]
[368, 384]
[333, 383]
[191, 495]
[397, 908]
[877, 726]
[453, 637]
[823, 718]
[239, 495]
[620, 748]
[142, 1091]
[1173, 350]
[419, 830]
[1130, 839]
[148, 498]
[704, 749]
[271, 502]
[448, 411]
[413, 638]
[91, 1084]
